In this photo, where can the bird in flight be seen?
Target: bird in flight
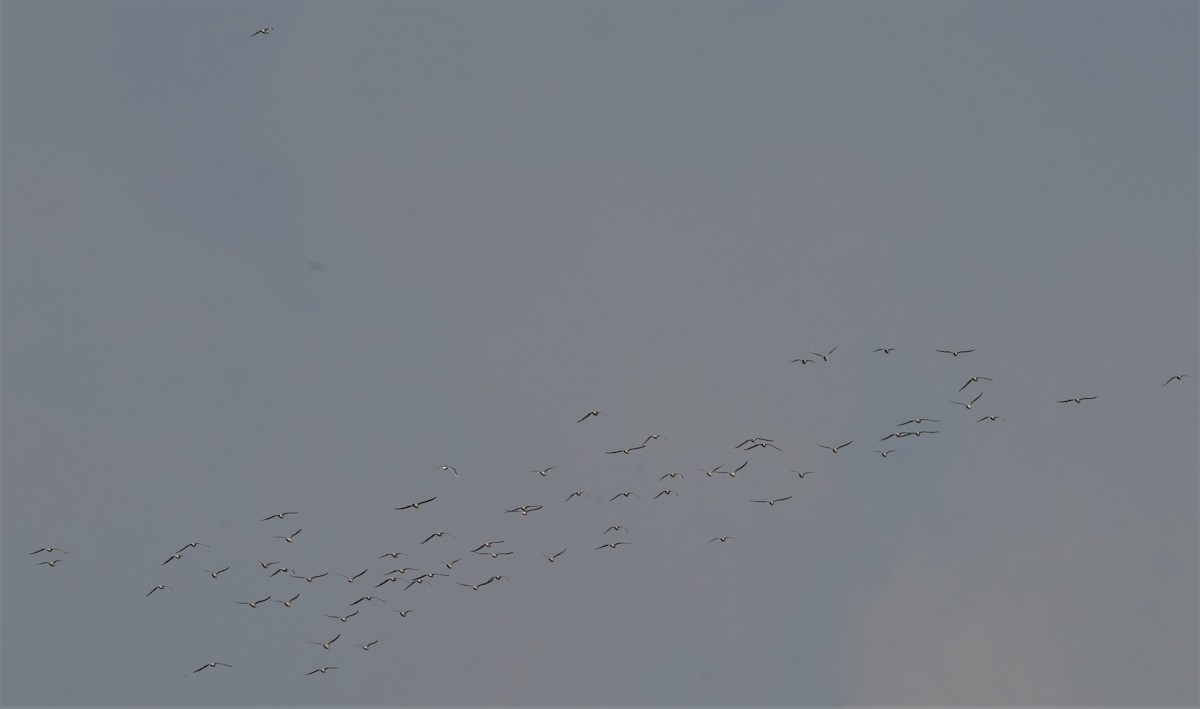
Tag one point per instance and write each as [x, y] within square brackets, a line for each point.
[368, 645]
[526, 509]
[918, 421]
[762, 445]
[487, 545]
[493, 554]
[806, 472]
[264, 30]
[918, 433]
[279, 515]
[824, 357]
[394, 554]
[417, 505]
[289, 537]
[450, 564]
[174, 557]
[450, 468]
[954, 352]
[967, 406]
[160, 587]
[552, 557]
[288, 603]
[972, 380]
[885, 350]
[367, 598]
[616, 528]
[577, 493]
[351, 578]
[771, 503]
[1077, 400]
[720, 539]
[267, 564]
[281, 570]
[626, 451]
[835, 449]
[438, 534]
[670, 475]
[215, 574]
[342, 618]
[51, 564]
[60, 551]
[1176, 378]
[475, 587]
[801, 360]
[322, 670]
[590, 414]
[211, 664]
[884, 453]
[192, 545]
[611, 545]
[543, 471]
[627, 493]
[310, 579]
[665, 492]
[252, 604]
[403, 614]
[990, 418]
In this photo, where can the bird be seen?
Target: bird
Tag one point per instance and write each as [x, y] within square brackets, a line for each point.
[368, 645]
[990, 418]
[438, 534]
[616, 528]
[1077, 400]
[192, 545]
[211, 664]
[493, 554]
[543, 471]
[368, 598]
[450, 468]
[60, 551]
[918, 433]
[264, 30]
[885, 350]
[824, 357]
[289, 537]
[389, 579]
[733, 473]
[267, 564]
[159, 587]
[897, 434]
[802, 360]
[577, 493]
[771, 503]
[322, 670]
[394, 554]
[342, 618]
[474, 587]
[174, 557]
[918, 421]
[714, 471]
[526, 509]
[310, 579]
[611, 545]
[885, 453]
[806, 472]
[627, 493]
[835, 449]
[972, 380]
[281, 570]
[402, 570]
[552, 557]
[670, 475]
[288, 603]
[1176, 378]
[215, 574]
[719, 539]
[665, 492]
[351, 578]
[626, 451]
[279, 515]
[954, 352]
[331, 642]
[450, 564]
[486, 545]
[253, 604]
[967, 406]
[403, 614]
[590, 414]
[763, 445]
[417, 505]
[652, 437]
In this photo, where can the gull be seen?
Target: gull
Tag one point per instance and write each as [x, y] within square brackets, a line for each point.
[174, 557]
[824, 357]
[342, 618]
[499, 578]
[626, 451]
[806, 472]
[51, 564]
[368, 598]
[289, 537]
[671, 475]
[885, 453]
[322, 670]
[577, 493]
[211, 664]
[972, 380]
[1176, 378]
[487, 545]
[990, 418]
[394, 554]
[589, 414]
[450, 564]
[543, 471]
[492, 554]
[475, 587]
[735, 471]
[417, 505]
[885, 350]
[551, 558]
[967, 406]
[288, 603]
[954, 352]
[450, 468]
[252, 604]
[160, 587]
[715, 470]
[526, 509]
[215, 574]
[403, 614]
[431, 574]
[719, 539]
[192, 545]
[267, 564]
[665, 492]
[438, 534]
[331, 642]
[389, 579]
[279, 515]
[627, 493]
[1077, 400]
[801, 360]
[611, 545]
[918, 421]
[771, 503]
[897, 434]
[402, 570]
[264, 30]
[835, 449]
[653, 437]
[310, 578]
[763, 445]
[918, 433]
[368, 645]
[281, 570]
[60, 551]
[616, 528]
[351, 578]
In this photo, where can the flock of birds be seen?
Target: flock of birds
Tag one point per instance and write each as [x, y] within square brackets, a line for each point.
[410, 576]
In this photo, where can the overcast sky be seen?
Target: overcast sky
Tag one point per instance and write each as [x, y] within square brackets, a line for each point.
[301, 271]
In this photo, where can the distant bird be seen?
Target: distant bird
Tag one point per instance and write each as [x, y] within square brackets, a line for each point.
[972, 380]
[824, 357]
[577, 493]
[403, 614]
[174, 557]
[552, 557]
[281, 570]
[331, 642]
[288, 603]
[402, 570]
[211, 664]
[885, 453]
[493, 554]
[733, 473]
[367, 598]
[918, 433]
[160, 587]
[762, 445]
[351, 578]
[342, 618]
[835, 449]
[665, 492]
[653, 437]
[487, 545]
[289, 537]
[264, 30]
[627, 493]
[543, 471]
[1176, 378]
[56, 549]
[897, 434]
[438, 534]
[918, 421]
[990, 418]
[801, 360]
[714, 471]
[626, 451]
[720, 539]
[416, 505]
[192, 545]
[954, 352]
[474, 587]
[885, 350]
[589, 414]
[252, 604]
[394, 554]
[450, 468]
[450, 564]
[267, 564]
[322, 670]
[616, 528]
[215, 574]
[771, 503]
[755, 439]
[967, 406]
[611, 545]
[499, 578]
[806, 472]
[368, 645]
[526, 509]
[389, 579]
[670, 475]
[310, 579]
[279, 515]
[1077, 400]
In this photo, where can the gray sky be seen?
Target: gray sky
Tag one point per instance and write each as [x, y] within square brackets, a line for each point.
[301, 271]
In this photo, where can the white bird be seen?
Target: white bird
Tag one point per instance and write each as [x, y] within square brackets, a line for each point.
[351, 578]
[174, 557]
[211, 664]
[954, 352]
[417, 505]
[543, 471]
[665, 492]
[310, 579]
[450, 468]
[972, 380]
[215, 574]
[289, 537]
[577, 493]
[918, 421]
[589, 414]
[54, 549]
[835, 449]
[394, 554]
[967, 406]
[885, 453]
[802, 360]
[487, 545]
[1176, 378]
[719, 539]
[368, 645]
[328, 644]
[771, 503]
[368, 598]
[806, 472]
[824, 357]
[627, 493]
[626, 451]
[670, 475]
[322, 670]
[1077, 400]
[279, 515]
[264, 30]
[526, 509]
[552, 557]
[342, 618]
[616, 528]
[990, 418]
[474, 587]
[192, 545]
[288, 603]
[438, 534]
[611, 545]
[160, 587]
[252, 604]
